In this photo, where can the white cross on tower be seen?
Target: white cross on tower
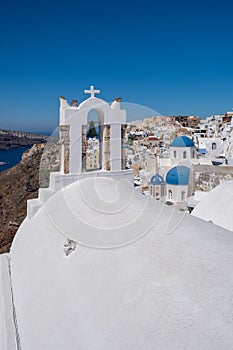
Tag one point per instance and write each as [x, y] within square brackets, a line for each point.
[92, 91]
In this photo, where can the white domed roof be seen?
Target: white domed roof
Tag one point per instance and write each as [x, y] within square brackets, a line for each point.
[171, 288]
[217, 206]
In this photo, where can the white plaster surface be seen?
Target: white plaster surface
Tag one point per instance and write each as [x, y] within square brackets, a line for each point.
[7, 327]
[59, 181]
[217, 206]
[170, 289]
[180, 155]
[179, 193]
[76, 117]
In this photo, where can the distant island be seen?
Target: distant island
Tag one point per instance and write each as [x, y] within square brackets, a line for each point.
[17, 139]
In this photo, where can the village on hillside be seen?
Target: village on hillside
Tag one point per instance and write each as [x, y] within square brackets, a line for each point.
[154, 148]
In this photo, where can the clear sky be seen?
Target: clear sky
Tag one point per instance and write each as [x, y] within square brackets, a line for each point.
[173, 56]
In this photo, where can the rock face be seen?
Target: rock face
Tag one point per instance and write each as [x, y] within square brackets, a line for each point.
[17, 185]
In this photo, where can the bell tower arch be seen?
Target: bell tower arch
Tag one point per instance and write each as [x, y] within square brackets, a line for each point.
[73, 124]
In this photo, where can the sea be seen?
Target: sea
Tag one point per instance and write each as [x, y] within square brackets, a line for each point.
[11, 157]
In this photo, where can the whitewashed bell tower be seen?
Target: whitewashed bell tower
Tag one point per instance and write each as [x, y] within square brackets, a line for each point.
[73, 124]
[73, 130]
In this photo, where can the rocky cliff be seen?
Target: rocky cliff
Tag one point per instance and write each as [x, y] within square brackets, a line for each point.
[17, 185]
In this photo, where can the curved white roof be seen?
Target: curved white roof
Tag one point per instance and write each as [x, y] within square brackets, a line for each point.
[217, 206]
[170, 288]
[92, 102]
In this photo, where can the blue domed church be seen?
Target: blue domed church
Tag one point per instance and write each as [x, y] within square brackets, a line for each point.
[177, 180]
[183, 155]
[183, 149]
[174, 187]
[157, 187]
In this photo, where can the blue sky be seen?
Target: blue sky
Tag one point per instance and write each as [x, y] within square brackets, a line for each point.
[172, 56]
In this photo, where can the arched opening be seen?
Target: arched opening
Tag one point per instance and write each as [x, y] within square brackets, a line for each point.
[214, 146]
[92, 142]
[170, 195]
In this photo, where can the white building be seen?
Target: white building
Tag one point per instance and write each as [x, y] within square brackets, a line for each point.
[182, 148]
[177, 180]
[92, 154]
[158, 187]
[97, 265]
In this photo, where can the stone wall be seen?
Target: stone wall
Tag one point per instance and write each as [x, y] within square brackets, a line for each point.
[206, 177]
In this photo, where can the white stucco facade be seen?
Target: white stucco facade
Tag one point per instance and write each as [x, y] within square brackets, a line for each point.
[179, 154]
[76, 118]
[176, 193]
[183, 149]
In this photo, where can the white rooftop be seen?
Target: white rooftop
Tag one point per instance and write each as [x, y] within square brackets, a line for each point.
[168, 286]
[217, 206]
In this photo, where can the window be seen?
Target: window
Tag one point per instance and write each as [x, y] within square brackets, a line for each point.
[193, 154]
[174, 154]
[151, 190]
[170, 195]
[182, 195]
[214, 146]
[184, 154]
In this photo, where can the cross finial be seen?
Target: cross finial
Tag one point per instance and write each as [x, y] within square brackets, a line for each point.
[92, 91]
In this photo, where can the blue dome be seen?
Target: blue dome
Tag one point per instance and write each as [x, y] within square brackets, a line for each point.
[182, 141]
[179, 175]
[157, 180]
